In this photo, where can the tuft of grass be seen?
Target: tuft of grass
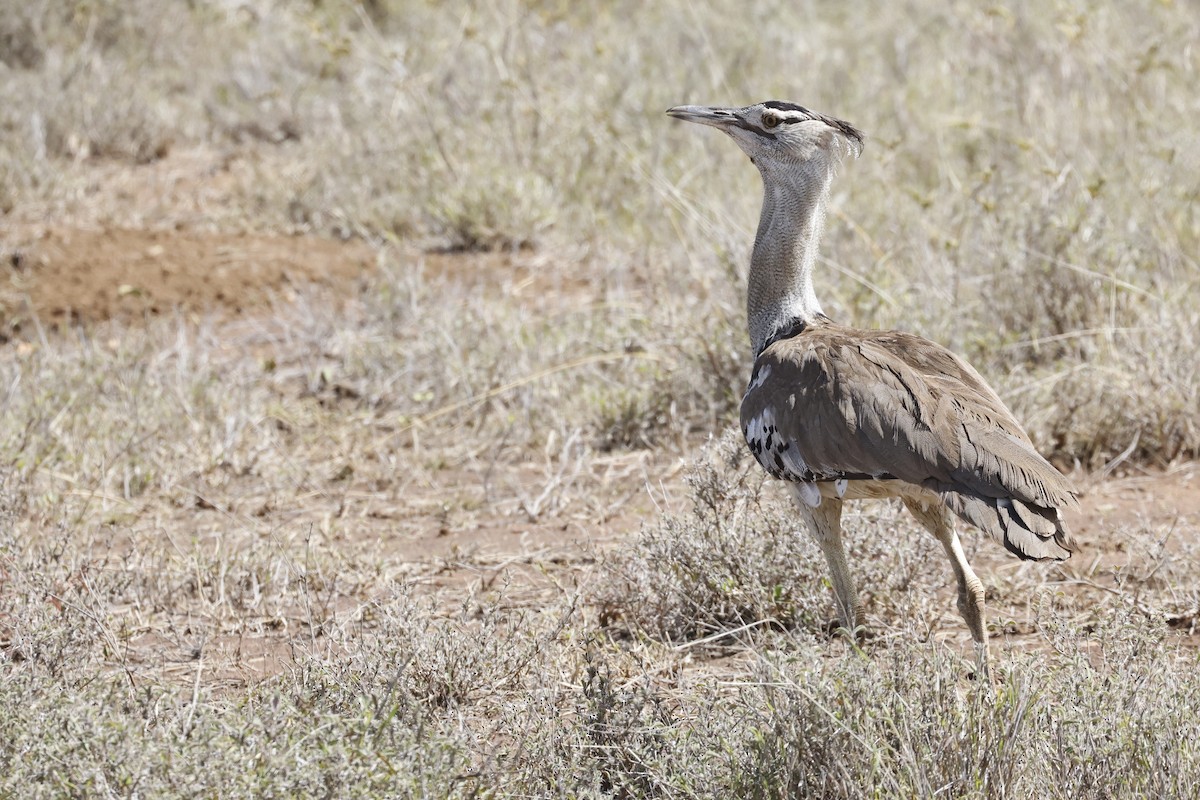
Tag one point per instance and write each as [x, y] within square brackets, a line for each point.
[901, 722]
[739, 560]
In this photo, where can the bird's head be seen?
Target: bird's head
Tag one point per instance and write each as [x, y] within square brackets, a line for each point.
[779, 135]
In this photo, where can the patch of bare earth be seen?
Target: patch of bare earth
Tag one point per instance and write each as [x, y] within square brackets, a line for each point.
[58, 275]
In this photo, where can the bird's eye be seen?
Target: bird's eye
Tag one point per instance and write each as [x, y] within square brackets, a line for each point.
[770, 120]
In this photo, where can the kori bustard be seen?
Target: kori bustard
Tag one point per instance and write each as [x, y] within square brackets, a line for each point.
[842, 413]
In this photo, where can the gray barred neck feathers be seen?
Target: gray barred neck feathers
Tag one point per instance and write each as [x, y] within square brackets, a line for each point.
[780, 289]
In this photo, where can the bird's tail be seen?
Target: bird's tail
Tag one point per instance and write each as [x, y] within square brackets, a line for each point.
[1028, 531]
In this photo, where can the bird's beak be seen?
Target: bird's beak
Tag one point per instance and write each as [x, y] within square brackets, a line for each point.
[705, 115]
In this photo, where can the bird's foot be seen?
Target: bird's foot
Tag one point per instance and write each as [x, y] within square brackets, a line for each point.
[860, 635]
[982, 671]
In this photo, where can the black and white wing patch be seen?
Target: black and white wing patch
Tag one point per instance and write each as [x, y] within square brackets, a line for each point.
[780, 457]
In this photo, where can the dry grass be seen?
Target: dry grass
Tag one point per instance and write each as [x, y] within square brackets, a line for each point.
[209, 580]
[1038, 219]
[709, 679]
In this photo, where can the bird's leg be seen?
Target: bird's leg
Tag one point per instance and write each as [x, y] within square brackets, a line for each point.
[825, 524]
[936, 519]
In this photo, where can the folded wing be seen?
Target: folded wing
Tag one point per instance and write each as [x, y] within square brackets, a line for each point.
[838, 402]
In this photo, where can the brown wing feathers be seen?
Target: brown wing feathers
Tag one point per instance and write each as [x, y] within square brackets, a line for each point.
[887, 403]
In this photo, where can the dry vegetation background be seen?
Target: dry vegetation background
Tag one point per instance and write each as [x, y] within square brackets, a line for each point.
[425, 507]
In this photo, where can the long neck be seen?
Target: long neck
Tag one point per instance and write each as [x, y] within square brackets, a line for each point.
[789, 230]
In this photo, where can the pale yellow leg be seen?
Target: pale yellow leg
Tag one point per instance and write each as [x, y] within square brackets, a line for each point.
[937, 520]
[825, 524]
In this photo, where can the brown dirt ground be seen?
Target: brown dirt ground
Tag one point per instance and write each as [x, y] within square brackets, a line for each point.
[58, 276]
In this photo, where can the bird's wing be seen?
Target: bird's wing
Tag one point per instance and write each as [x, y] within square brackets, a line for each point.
[831, 403]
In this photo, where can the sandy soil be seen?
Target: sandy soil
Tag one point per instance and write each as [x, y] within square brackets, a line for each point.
[58, 275]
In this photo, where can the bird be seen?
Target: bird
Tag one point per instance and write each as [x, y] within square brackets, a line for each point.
[843, 413]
